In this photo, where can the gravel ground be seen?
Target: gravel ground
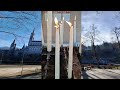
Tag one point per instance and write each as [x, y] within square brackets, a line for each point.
[7, 71]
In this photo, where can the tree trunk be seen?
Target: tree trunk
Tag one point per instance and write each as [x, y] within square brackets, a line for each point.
[95, 54]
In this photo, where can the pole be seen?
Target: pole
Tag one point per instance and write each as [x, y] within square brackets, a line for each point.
[22, 64]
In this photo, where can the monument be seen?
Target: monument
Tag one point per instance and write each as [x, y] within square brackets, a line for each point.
[61, 29]
[70, 16]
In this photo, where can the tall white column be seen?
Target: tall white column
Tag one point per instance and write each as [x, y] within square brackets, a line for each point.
[61, 31]
[70, 61]
[75, 30]
[42, 36]
[57, 52]
[80, 46]
[49, 30]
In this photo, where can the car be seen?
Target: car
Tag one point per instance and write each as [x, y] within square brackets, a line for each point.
[88, 67]
[85, 68]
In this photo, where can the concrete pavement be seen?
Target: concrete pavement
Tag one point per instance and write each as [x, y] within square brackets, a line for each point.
[101, 74]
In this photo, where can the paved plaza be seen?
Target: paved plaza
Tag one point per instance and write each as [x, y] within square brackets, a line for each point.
[101, 74]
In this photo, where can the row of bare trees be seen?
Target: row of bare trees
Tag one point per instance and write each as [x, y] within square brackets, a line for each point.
[93, 36]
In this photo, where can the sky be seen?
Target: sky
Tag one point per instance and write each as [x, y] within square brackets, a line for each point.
[23, 24]
[105, 21]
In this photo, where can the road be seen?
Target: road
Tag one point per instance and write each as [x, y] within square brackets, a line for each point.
[36, 76]
[11, 71]
[101, 74]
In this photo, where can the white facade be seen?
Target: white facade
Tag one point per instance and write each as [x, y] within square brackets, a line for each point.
[71, 16]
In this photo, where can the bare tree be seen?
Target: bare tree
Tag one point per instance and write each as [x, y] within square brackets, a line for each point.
[18, 20]
[12, 22]
[91, 35]
[116, 34]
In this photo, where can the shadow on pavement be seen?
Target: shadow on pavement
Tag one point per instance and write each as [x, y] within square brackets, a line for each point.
[86, 76]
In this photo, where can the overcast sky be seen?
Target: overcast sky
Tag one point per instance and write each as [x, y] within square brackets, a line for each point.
[104, 21]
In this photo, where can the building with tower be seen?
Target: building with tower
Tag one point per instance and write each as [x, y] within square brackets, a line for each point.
[12, 49]
[34, 47]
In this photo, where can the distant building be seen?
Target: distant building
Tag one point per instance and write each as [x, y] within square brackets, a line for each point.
[13, 46]
[34, 47]
[12, 49]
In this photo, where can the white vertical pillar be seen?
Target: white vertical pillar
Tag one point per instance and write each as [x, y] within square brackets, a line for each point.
[80, 46]
[42, 36]
[75, 30]
[49, 30]
[57, 52]
[61, 31]
[70, 61]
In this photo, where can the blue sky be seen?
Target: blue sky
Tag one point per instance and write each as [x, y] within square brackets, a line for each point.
[20, 26]
[104, 21]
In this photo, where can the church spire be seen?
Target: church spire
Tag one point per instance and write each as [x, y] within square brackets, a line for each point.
[13, 45]
[14, 41]
[31, 37]
[23, 46]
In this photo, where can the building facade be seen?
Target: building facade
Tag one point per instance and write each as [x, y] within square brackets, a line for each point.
[34, 47]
